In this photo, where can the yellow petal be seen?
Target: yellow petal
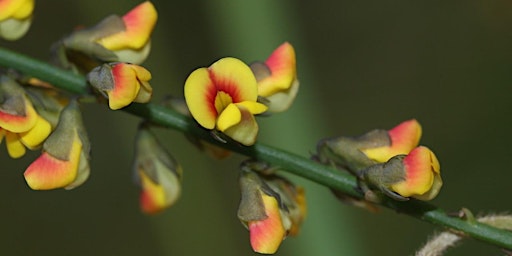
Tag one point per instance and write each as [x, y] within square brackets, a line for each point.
[35, 136]
[253, 107]
[15, 148]
[229, 117]
[17, 9]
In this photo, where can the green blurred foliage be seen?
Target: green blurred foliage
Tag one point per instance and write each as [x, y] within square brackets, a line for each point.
[362, 65]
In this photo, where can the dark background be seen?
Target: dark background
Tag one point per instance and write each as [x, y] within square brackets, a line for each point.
[362, 65]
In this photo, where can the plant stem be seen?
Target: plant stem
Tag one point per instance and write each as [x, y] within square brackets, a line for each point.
[288, 162]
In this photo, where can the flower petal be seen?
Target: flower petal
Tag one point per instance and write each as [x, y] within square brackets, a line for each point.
[139, 24]
[246, 131]
[229, 117]
[282, 66]
[126, 86]
[35, 136]
[83, 172]
[421, 166]
[266, 235]
[2, 135]
[18, 122]
[200, 94]
[403, 138]
[143, 76]
[18, 9]
[13, 29]
[48, 172]
[14, 146]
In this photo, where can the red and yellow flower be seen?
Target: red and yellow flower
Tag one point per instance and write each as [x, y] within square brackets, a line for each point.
[376, 146]
[416, 175]
[259, 211]
[422, 178]
[132, 44]
[64, 162]
[158, 173]
[224, 97]
[15, 18]
[20, 124]
[277, 78]
[122, 83]
[123, 39]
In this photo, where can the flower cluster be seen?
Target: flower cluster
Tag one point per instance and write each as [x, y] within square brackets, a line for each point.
[223, 99]
[34, 115]
[390, 161]
[20, 124]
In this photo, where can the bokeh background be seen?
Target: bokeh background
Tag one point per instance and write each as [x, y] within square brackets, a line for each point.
[362, 65]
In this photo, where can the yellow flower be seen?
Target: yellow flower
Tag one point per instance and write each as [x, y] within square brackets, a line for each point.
[64, 162]
[224, 97]
[123, 83]
[15, 18]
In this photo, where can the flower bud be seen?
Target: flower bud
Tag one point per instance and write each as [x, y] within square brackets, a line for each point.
[259, 212]
[157, 173]
[122, 83]
[123, 39]
[277, 78]
[376, 146]
[271, 206]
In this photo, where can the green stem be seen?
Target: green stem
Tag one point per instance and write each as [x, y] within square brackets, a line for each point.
[292, 163]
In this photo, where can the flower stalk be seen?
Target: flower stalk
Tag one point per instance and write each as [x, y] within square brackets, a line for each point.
[289, 162]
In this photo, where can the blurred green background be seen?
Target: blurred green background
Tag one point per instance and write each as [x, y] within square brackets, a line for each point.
[362, 65]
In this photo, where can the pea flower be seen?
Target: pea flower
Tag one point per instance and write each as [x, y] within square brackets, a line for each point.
[293, 200]
[224, 97]
[157, 173]
[64, 162]
[121, 83]
[259, 211]
[416, 175]
[124, 39]
[277, 78]
[15, 18]
[20, 124]
[376, 146]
